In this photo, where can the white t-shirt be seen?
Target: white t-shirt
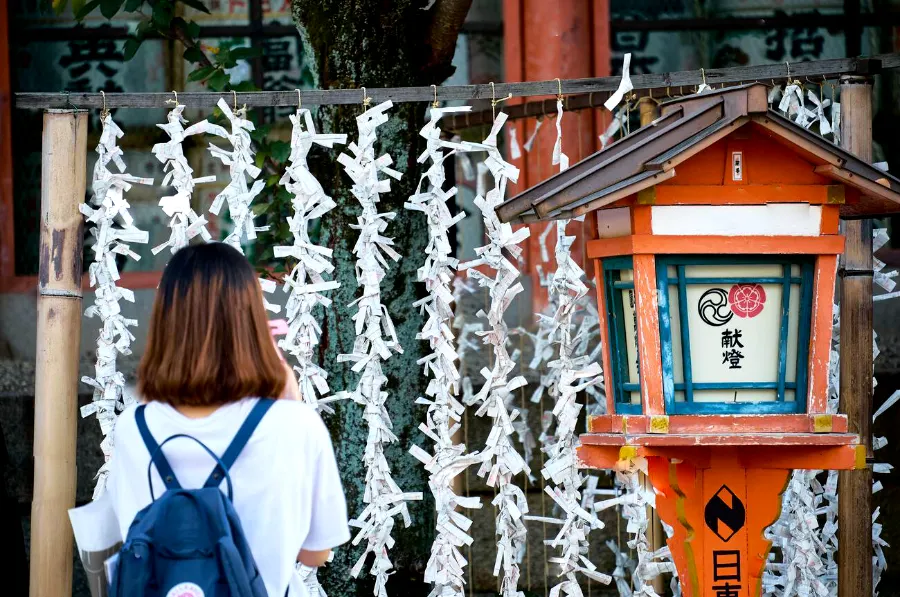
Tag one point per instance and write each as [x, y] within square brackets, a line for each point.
[287, 491]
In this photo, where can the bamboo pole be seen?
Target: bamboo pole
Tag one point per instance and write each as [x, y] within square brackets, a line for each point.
[649, 111]
[63, 171]
[855, 487]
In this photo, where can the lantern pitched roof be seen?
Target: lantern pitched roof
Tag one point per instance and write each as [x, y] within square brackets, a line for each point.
[686, 127]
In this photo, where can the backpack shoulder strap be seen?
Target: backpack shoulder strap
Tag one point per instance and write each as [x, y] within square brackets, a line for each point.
[240, 440]
[156, 454]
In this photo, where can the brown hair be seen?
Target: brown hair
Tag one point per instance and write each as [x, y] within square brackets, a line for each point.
[209, 341]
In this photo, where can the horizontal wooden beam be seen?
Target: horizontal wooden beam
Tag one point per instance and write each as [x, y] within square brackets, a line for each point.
[642, 244]
[735, 424]
[647, 83]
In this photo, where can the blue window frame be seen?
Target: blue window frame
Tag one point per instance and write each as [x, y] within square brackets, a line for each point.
[680, 279]
[618, 276]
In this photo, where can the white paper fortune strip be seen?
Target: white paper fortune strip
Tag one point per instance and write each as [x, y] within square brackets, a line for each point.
[376, 341]
[240, 165]
[306, 283]
[633, 501]
[625, 85]
[501, 462]
[113, 230]
[572, 375]
[184, 222]
[445, 569]
[806, 532]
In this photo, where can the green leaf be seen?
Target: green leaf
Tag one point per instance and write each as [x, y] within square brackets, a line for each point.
[162, 14]
[245, 53]
[272, 180]
[133, 5]
[217, 81]
[77, 5]
[245, 86]
[87, 9]
[193, 30]
[258, 208]
[109, 8]
[194, 54]
[131, 47]
[259, 135]
[201, 73]
[280, 151]
[259, 160]
[143, 28]
[196, 5]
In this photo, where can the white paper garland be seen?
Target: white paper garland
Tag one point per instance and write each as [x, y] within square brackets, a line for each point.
[573, 374]
[501, 462]
[113, 230]
[376, 341]
[184, 221]
[239, 160]
[806, 531]
[445, 569]
[306, 283]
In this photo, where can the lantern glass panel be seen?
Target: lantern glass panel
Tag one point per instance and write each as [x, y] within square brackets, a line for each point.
[735, 333]
[623, 338]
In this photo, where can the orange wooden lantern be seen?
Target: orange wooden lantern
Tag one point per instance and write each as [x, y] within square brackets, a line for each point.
[715, 258]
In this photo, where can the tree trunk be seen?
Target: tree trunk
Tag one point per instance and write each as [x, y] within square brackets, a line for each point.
[378, 43]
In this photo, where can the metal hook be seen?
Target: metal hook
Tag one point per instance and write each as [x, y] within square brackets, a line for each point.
[175, 101]
[434, 104]
[299, 100]
[234, 93]
[495, 101]
[559, 94]
[366, 99]
[104, 112]
[703, 75]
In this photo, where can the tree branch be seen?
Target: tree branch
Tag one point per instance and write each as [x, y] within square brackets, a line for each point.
[447, 19]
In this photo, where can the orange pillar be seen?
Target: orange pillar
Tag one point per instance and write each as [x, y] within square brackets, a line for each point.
[568, 39]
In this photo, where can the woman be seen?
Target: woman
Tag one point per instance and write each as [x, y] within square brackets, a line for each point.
[209, 357]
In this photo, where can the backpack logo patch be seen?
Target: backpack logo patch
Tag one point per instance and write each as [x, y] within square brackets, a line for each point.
[185, 589]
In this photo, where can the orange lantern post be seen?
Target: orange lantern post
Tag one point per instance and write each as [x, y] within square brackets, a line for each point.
[715, 264]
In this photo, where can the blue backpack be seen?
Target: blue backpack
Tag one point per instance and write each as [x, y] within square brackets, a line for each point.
[189, 542]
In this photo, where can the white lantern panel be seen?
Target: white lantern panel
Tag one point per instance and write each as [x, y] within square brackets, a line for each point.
[735, 328]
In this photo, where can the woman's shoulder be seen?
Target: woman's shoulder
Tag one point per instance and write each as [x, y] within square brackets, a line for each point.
[294, 416]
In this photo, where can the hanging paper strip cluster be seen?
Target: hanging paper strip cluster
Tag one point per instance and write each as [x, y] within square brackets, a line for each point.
[634, 500]
[445, 569]
[306, 283]
[376, 341]
[569, 374]
[113, 230]
[240, 166]
[501, 461]
[572, 375]
[184, 222]
[807, 109]
[808, 545]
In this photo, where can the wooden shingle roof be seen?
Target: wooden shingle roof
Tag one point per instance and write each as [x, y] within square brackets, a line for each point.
[686, 127]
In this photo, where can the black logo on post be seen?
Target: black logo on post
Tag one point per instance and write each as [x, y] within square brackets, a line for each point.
[713, 307]
[725, 514]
